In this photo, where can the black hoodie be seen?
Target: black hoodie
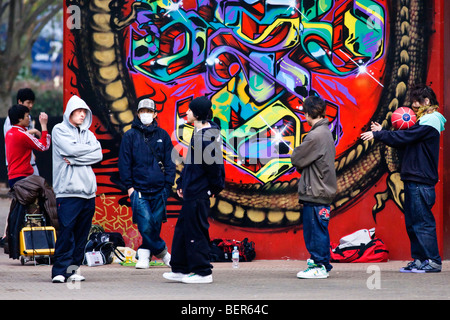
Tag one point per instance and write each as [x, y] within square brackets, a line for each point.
[203, 173]
[418, 148]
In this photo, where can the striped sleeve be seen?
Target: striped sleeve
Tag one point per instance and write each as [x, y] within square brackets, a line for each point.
[42, 144]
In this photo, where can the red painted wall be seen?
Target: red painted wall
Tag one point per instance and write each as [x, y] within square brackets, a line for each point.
[445, 73]
[287, 242]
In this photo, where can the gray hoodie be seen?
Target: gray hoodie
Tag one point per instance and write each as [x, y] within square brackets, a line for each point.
[81, 148]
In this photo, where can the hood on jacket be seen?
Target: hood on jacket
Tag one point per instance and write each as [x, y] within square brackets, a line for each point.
[213, 125]
[212, 131]
[74, 103]
[435, 120]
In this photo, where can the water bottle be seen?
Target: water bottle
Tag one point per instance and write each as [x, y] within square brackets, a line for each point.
[235, 257]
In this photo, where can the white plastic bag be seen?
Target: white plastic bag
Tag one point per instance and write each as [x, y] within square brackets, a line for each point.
[357, 238]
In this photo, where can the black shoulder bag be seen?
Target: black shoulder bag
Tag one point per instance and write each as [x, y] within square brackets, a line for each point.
[157, 156]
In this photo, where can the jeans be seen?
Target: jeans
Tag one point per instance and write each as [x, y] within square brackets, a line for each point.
[149, 211]
[75, 219]
[420, 223]
[315, 232]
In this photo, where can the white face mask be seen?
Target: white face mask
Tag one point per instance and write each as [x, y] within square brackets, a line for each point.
[146, 118]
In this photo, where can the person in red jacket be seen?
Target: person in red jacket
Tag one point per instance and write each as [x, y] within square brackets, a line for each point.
[20, 143]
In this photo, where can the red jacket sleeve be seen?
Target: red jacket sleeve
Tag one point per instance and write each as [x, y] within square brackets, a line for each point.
[41, 144]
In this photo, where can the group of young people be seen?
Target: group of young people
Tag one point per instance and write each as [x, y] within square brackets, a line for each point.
[419, 156]
[75, 149]
[148, 173]
[146, 169]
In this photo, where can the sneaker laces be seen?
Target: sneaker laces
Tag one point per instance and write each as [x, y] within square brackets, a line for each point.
[412, 264]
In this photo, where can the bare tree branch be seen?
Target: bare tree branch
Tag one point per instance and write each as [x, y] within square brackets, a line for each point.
[24, 20]
[33, 16]
[3, 7]
[39, 25]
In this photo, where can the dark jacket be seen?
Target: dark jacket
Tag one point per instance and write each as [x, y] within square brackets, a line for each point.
[24, 195]
[314, 159]
[203, 173]
[138, 162]
[418, 148]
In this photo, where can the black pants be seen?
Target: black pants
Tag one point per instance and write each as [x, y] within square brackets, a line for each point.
[75, 219]
[190, 246]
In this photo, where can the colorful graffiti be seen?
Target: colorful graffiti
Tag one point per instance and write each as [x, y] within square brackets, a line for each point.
[257, 61]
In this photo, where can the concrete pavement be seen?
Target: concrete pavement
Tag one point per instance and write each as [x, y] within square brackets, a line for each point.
[256, 280]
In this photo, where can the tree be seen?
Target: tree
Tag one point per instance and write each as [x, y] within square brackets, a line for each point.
[21, 22]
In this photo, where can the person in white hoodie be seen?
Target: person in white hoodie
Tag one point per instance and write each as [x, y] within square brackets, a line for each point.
[75, 149]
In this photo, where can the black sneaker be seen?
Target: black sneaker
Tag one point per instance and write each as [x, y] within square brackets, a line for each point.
[428, 266]
[413, 265]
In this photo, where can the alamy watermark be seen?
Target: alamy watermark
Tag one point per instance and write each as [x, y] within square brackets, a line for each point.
[74, 19]
[72, 284]
[374, 280]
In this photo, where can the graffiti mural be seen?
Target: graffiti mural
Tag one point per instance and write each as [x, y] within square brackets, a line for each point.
[257, 60]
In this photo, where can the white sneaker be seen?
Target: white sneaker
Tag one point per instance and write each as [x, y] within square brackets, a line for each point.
[174, 276]
[58, 279]
[195, 278]
[313, 271]
[76, 277]
[166, 259]
[144, 259]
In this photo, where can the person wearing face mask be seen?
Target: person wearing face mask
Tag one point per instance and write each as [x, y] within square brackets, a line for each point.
[148, 173]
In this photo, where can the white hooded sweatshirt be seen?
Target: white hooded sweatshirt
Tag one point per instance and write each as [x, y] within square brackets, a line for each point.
[81, 148]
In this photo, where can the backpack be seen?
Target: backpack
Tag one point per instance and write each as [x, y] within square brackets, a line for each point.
[360, 246]
[221, 249]
[106, 243]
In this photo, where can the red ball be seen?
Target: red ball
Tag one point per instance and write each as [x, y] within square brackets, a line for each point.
[403, 118]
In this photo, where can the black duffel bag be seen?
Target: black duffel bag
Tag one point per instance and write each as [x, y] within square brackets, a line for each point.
[106, 243]
[221, 249]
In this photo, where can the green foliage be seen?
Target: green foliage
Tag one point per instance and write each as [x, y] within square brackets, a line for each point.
[50, 102]
[49, 98]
